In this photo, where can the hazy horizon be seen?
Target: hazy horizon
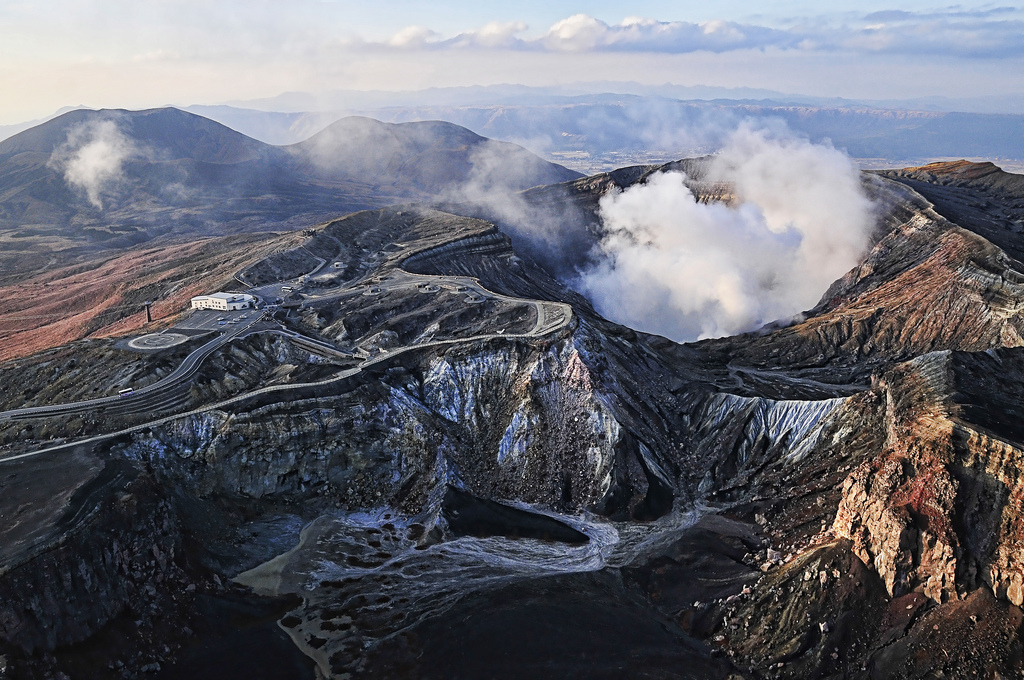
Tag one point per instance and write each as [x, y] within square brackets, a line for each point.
[183, 52]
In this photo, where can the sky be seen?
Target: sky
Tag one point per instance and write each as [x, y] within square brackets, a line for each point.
[142, 53]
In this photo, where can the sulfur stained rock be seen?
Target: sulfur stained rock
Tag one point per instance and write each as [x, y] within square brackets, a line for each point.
[937, 508]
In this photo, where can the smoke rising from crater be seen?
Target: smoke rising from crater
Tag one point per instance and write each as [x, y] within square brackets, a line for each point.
[92, 157]
[688, 270]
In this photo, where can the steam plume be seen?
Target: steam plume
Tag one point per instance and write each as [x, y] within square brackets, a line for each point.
[671, 265]
[92, 157]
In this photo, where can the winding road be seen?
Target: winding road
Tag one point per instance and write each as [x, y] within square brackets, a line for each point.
[182, 373]
[550, 317]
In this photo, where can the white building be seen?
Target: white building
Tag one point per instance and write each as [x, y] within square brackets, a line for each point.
[225, 302]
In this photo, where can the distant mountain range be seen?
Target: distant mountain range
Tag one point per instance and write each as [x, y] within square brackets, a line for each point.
[599, 126]
[593, 136]
[111, 178]
[525, 95]
[599, 132]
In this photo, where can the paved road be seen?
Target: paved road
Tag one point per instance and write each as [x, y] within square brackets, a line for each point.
[159, 394]
[342, 375]
[313, 345]
[139, 397]
[550, 317]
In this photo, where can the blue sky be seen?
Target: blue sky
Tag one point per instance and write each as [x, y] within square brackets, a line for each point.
[137, 53]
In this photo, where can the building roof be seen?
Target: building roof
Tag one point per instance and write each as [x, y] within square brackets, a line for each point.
[227, 297]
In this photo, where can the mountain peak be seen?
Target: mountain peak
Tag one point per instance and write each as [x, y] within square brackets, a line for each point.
[167, 134]
[433, 155]
[114, 177]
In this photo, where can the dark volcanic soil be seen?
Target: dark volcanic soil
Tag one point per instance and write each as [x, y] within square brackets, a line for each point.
[237, 637]
[580, 626]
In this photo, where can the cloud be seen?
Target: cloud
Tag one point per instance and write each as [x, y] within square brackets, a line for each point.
[960, 34]
[952, 12]
[141, 55]
[91, 158]
[989, 33]
[412, 37]
[585, 33]
[493, 35]
[673, 265]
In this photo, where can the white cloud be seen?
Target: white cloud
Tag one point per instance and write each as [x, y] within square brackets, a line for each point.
[493, 35]
[950, 34]
[968, 34]
[412, 37]
[579, 32]
[582, 32]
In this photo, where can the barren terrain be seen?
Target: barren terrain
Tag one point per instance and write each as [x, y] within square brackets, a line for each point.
[434, 459]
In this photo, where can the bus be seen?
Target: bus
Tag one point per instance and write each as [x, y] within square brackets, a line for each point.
[125, 392]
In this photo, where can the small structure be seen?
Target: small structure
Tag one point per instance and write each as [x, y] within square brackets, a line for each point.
[225, 302]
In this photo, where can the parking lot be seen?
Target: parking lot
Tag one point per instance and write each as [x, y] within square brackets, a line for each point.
[213, 319]
[272, 291]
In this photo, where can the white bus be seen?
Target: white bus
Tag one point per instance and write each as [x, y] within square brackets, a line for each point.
[125, 392]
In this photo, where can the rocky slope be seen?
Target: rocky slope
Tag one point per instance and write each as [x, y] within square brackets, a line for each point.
[91, 369]
[837, 498]
[977, 196]
[105, 296]
[100, 558]
[927, 284]
[891, 549]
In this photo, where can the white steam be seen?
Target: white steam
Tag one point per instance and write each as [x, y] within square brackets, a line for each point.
[92, 157]
[671, 265]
